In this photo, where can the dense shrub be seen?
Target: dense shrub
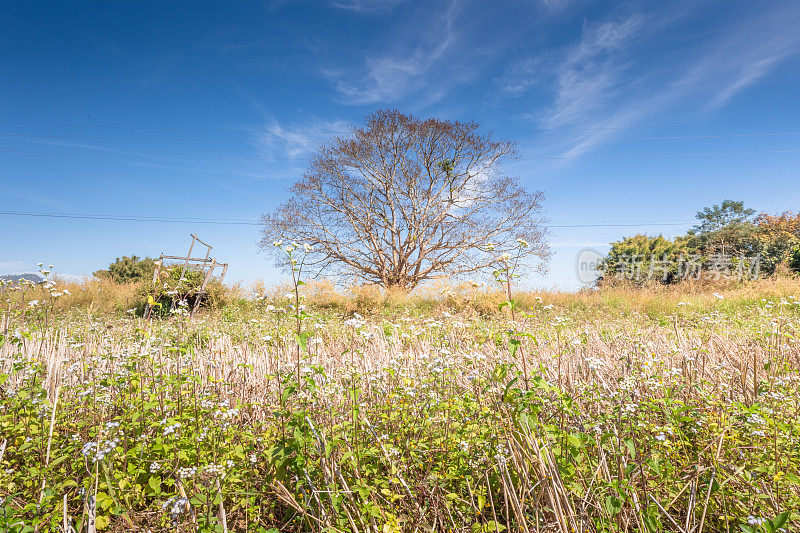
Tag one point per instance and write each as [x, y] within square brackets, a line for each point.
[727, 243]
[128, 269]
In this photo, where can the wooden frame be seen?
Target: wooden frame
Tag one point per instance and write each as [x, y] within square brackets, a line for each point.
[206, 262]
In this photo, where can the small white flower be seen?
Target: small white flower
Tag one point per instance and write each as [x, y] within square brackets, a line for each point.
[187, 471]
[755, 419]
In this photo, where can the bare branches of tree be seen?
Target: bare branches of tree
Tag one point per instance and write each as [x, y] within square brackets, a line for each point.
[404, 199]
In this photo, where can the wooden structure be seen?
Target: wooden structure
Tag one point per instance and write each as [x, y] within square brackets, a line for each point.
[206, 262]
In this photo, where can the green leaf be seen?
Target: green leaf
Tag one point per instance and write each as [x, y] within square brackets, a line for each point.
[781, 520]
[629, 444]
[302, 340]
[59, 461]
[613, 505]
[155, 484]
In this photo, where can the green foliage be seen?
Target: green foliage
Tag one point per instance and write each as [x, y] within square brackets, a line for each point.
[177, 289]
[726, 243]
[128, 269]
[775, 252]
[642, 256]
[717, 218]
[794, 259]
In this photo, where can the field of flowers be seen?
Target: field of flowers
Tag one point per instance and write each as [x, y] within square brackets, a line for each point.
[276, 417]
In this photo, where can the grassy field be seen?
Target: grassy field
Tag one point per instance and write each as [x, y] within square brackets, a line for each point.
[614, 410]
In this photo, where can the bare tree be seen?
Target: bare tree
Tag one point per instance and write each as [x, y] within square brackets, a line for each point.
[404, 199]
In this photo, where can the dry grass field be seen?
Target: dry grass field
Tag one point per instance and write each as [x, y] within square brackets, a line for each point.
[611, 410]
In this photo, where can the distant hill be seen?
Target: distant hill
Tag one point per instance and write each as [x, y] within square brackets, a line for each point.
[16, 278]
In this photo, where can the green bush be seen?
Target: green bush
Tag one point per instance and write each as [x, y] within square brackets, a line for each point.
[794, 259]
[129, 269]
[727, 243]
[175, 285]
[643, 257]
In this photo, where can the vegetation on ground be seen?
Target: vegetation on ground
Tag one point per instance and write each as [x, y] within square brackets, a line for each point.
[611, 410]
[727, 242]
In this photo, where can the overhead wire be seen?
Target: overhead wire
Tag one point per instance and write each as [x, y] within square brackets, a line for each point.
[243, 130]
[535, 158]
[275, 141]
[254, 222]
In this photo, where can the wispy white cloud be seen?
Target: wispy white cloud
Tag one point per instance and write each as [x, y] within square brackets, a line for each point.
[602, 86]
[295, 140]
[10, 265]
[367, 6]
[749, 54]
[391, 75]
[16, 267]
[521, 75]
[593, 70]
[556, 5]
[299, 139]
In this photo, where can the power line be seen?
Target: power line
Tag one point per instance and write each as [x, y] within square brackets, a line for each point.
[617, 225]
[687, 154]
[231, 130]
[668, 138]
[274, 141]
[141, 128]
[134, 218]
[254, 222]
[163, 156]
[252, 158]
[88, 138]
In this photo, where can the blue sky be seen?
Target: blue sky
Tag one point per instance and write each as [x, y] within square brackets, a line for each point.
[209, 109]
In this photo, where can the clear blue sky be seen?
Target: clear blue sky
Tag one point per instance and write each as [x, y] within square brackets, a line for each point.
[238, 93]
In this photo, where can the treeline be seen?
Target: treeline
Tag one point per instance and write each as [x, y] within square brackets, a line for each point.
[729, 242]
